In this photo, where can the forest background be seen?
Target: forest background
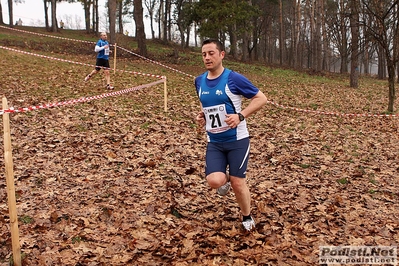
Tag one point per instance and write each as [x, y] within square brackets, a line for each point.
[118, 181]
[346, 36]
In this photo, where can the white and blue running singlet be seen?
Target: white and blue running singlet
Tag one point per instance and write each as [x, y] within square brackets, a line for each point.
[104, 54]
[222, 96]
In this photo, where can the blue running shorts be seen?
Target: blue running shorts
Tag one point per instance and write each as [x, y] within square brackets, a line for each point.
[235, 154]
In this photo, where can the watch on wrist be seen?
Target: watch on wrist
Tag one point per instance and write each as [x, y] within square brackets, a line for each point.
[241, 117]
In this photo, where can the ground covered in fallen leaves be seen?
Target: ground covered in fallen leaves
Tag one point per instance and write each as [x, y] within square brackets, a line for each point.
[118, 181]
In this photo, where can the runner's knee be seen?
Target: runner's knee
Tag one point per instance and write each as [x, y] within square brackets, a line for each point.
[215, 180]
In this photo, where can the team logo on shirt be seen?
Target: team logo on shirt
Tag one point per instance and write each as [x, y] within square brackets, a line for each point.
[219, 92]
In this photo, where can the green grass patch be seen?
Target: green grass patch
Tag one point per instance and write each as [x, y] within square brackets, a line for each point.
[26, 219]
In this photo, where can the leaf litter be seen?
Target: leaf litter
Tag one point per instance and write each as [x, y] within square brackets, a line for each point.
[117, 181]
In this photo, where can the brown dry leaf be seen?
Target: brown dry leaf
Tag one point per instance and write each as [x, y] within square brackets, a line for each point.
[118, 181]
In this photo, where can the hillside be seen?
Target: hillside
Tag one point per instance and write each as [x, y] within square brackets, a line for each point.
[118, 181]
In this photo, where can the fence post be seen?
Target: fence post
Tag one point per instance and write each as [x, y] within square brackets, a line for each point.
[165, 92]
[12, 205]
[115, 59]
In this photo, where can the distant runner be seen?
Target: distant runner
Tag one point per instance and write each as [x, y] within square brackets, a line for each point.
[102, 48]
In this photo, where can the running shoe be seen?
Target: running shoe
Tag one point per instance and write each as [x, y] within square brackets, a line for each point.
[110, 87]
[224, 189]
[249, 224]
[87, 77]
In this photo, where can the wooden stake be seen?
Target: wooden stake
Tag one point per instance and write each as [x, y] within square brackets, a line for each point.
[165, 92]
[12, 205]
[115, 59]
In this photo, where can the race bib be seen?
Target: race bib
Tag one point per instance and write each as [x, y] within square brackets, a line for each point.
[215, 116]
[106, 51]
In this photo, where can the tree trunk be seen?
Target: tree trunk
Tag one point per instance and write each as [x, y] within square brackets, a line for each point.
[391, 80]
[54, 24]
[326, 46]
[169, 18]
[160, 20]
[366, 47]
[120, 17]
[1, 15]
[188, 30]
[86, 7]
[150, 4]
[270, 44]
[320, 15]
[397, 73]
[254, 53]
[233, 41]
[140, 33]
[354, 25]
[10, 13]
[312, 34]
[46, 15]
[381, 62]
[97, 16]
[296, 23]
[94, 14]
[165, 22]
[281, 35]
[152, 27]
[344, 43]
[318, 59]
[366, 57]
[112, 20]
[179, 22]
[245, 44]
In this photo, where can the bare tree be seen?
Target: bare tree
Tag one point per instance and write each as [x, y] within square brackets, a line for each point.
[296, 25]
[140, 32]
[354, 24]
[95, 17]
[54, 24]
[120, 15]
[165, 20]
[45, 6]
[160, 16]
[385, 31]
[112, 20]
[326, 43]
[86, 7]
[150, 5]
[1, 14]
[10, 13]
[318, 45]
[281, 35]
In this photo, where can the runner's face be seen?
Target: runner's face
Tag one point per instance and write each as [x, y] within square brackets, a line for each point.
[104, 36]
[211, 56]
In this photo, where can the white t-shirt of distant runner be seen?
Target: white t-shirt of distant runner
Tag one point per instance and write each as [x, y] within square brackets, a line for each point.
[222, 96]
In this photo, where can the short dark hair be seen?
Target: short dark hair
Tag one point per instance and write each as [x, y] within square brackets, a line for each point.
[219, 45]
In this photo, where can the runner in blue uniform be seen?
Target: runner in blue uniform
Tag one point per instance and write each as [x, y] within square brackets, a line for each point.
[220, 92]
[102, 50]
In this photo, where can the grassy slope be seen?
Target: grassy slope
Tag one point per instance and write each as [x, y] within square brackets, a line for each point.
[117, 181]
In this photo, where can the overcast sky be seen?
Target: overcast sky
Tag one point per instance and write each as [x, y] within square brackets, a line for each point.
[32, 13]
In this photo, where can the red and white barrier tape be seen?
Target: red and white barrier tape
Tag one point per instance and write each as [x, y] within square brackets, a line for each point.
[79, 63]
[91, 42]
[330, 113]
[46, 35]
[188, 75]
[155, 62]
[80, 100]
